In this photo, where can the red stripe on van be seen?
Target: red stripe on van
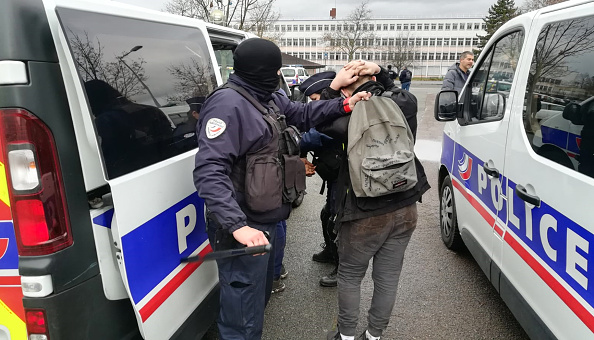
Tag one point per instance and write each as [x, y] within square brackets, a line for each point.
[580, 311]
[475, 203]
[10, 281]
[5, 214]
[171, 286]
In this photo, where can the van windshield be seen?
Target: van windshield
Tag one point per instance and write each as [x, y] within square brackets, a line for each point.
[288, 72]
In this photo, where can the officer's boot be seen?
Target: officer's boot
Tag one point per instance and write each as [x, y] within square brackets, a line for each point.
[325, 256]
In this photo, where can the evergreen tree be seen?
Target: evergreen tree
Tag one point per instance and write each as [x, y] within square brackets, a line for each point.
[500, 13]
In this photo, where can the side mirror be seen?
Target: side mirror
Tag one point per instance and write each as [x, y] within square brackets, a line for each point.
[446, 106]
[493, 105]
[572, 112]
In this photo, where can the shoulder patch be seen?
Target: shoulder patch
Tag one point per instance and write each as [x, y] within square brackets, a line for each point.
[215, 127]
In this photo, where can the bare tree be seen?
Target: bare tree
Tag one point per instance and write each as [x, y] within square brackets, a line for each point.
[261, 21]
[250, 15]
[126, 77]
[402, 52]
[192, 80]
[532, 5]
[352, 34]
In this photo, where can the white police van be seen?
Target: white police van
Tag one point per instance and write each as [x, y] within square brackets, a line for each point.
[97, 202]
[509, 187]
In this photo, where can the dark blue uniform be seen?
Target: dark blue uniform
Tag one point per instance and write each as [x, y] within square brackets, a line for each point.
[228, 128]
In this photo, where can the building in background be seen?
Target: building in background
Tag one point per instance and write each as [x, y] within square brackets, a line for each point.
[432, 44]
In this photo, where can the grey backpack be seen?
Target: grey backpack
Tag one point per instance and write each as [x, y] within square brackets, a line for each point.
[380, 149]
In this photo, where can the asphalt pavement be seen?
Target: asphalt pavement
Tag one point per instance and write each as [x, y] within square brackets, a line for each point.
[442, 294]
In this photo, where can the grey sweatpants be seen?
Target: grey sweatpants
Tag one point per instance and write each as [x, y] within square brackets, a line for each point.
[383, 238]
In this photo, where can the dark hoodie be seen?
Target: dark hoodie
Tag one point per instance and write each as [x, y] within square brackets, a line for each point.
[455, 78]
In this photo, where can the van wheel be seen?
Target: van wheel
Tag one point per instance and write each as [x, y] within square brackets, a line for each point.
[448, 219]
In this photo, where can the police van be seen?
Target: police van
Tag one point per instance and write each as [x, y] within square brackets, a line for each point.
[97, 202]
[517, 190]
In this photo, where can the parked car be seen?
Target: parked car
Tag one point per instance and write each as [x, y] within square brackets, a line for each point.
[294, 75]
[516, 183]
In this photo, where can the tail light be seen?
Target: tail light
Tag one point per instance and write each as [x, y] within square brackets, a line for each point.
[35, 184]
[36, 324]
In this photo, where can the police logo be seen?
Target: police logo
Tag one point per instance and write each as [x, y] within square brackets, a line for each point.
[3, 247]
[465, 167]
[215, 127]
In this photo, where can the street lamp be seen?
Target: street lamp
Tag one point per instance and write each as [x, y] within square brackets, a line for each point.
[121, 59]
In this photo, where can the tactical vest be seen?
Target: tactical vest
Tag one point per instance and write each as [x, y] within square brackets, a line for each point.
[273, 175]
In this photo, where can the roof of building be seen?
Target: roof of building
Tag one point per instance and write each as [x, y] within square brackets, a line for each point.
[290, 60]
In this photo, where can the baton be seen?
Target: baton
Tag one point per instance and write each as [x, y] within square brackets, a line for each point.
[221, 254]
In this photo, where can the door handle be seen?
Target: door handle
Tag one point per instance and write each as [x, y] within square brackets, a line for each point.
[491, 171]
[525, 196]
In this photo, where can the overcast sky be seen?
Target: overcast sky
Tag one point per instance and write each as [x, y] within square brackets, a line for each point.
[316, 9]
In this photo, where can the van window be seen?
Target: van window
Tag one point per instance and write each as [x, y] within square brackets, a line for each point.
[288, 72]
[562, 72]
[144, 83]
[493, 78]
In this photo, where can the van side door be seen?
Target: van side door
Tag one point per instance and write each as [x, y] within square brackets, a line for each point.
[479, 147]
[547, 249]
[138, 75]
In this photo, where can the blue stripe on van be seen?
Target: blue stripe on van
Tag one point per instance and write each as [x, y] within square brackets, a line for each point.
[151, 251]
[9, 256]
[568, 242]
[104, 219]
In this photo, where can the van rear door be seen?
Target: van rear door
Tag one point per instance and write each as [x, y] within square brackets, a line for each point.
[137, 76]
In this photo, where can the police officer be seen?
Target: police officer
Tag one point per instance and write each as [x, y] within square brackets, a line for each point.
[235, 174]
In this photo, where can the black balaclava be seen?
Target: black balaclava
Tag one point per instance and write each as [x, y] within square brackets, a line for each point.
[257, 61]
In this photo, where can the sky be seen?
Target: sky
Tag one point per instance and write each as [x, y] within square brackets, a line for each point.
[316, 9]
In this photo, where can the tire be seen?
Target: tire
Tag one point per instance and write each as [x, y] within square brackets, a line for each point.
[299, 200]
[448, 218]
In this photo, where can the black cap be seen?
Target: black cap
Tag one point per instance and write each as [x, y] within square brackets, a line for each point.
[317, 82]
[195, 103]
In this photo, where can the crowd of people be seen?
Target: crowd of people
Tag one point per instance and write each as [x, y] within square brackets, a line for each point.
[249, 171]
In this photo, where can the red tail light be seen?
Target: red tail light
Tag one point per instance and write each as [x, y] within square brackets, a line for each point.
[36, 322]
[35, 184]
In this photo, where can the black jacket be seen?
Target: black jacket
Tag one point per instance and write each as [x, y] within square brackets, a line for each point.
[350, 207]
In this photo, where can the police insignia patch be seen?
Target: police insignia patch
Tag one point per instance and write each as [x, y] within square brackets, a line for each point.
[215, 127]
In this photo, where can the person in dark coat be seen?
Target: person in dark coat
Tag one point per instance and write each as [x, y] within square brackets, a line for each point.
[458, 73]
[405, 78]
[377, 228]
[231, 131]
[184, 135]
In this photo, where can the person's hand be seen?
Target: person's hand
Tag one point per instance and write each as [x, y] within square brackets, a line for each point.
[344, 78]
[310, 169]
[354, 64]
[365, 68]
[250, 237]
[357, 97]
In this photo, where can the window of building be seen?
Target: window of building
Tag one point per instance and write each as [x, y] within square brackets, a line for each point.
[419, 27]
[319, 55]
[314, 42]
[326, 27]
[385, 27]
[475, 42]
[477, 26]
[447, 27]
[418, 42]
[454, 26]
[332, 27]
[320, 27]
[484, 26]
[425, 42]
[446, 41]
[462, 26]
[399, 27]
[431, 56]
[289, 28]
[307, 28]
[426, 27]
[295, 28]
[432, 42]
[439, 41]
[307, 42]
[301, 28]
[277, 28]
[433, 27]
[405, 27]
[440, 27]
[391, 42]
[460, 42]
[378, 27]
[392, 26]
[468, 41]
